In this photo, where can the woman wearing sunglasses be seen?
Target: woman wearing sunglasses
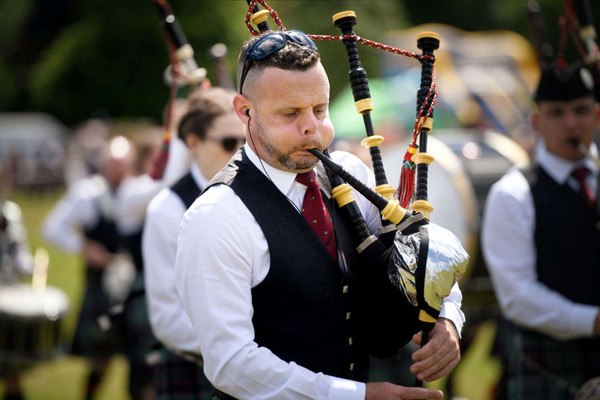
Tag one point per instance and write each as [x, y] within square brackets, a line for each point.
[268, 290]
[212, 132]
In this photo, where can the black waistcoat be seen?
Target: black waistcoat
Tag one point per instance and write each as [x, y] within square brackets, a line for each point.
[133, 244]
[303, 308]
[104, 232]
[567, 239]
[187, 190]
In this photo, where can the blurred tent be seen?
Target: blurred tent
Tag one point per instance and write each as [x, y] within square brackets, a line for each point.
[485, 79]
[32, 149]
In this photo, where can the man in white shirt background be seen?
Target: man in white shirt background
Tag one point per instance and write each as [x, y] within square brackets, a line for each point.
[541, 243]
[212, 132]
[83, 222]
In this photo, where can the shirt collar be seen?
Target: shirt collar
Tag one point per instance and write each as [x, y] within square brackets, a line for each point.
[560, 169]
[283, 180]
[199, 178]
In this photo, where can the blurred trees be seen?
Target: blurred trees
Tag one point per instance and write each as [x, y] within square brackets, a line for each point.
[74, 58]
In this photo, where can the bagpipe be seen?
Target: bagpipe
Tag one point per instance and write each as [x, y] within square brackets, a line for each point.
[588, 49]
[422, 260]
[182, 71]
[576, 23]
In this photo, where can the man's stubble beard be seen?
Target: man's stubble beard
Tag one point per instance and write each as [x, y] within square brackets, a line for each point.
[284, 160]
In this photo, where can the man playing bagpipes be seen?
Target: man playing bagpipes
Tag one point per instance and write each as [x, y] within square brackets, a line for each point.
[541, 242]
[266, 265]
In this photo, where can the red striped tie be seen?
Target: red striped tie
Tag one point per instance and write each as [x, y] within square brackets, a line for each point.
[315, 212]
[585, 190]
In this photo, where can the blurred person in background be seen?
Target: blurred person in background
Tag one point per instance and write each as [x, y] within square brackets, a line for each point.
[16, 262]
[83, 222]
[212, 132]
[132, 198]
[85, 150]
[541, 243]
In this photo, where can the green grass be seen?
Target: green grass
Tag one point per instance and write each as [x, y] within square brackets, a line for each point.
[64, 378]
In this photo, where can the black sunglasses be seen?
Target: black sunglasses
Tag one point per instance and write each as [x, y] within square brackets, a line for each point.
[271, 44]
[229, 143]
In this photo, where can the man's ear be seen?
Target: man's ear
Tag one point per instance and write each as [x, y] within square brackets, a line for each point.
[242, 106]
[535, 120]
[191, 140]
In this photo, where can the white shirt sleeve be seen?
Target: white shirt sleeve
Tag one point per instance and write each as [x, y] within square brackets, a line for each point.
[215, 271]
[510, 254]
[135, 192]
[170, 324]
[63, 226]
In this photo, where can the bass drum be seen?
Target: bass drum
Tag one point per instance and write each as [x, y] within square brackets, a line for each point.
[30, 322]
[467, 163]
[449, 188]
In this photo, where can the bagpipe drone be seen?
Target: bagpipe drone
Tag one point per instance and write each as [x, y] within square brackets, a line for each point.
[422, 260]
[575, 23]
[182, 71]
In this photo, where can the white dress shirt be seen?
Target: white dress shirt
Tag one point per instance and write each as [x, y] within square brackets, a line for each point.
[170, 324]
[222, 254]
[135, 192]
[80, 208]
[510, 253]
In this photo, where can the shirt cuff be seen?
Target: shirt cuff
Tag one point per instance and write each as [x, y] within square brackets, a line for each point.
[453, 313]
[343, 389]
[582, 318]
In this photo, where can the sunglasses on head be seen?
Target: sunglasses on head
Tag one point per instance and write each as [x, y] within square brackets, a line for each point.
[229, 143]
[271, 44]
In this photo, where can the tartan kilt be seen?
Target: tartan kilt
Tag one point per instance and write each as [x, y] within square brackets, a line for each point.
[178, 379]
[134, 324]
[539, 367]
[90, 339]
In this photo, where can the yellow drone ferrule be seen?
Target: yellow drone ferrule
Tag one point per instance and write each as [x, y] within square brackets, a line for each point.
[427, 123]
[393, 212]
[422, 158]
[422, 206]
[371, 141]
[260, 17]
[343, 14]
[424, 35]
[364, 106]
[343, 194]
[387, 191]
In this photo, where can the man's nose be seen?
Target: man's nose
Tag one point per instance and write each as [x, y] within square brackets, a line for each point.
[309, 122]
[570, 120]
